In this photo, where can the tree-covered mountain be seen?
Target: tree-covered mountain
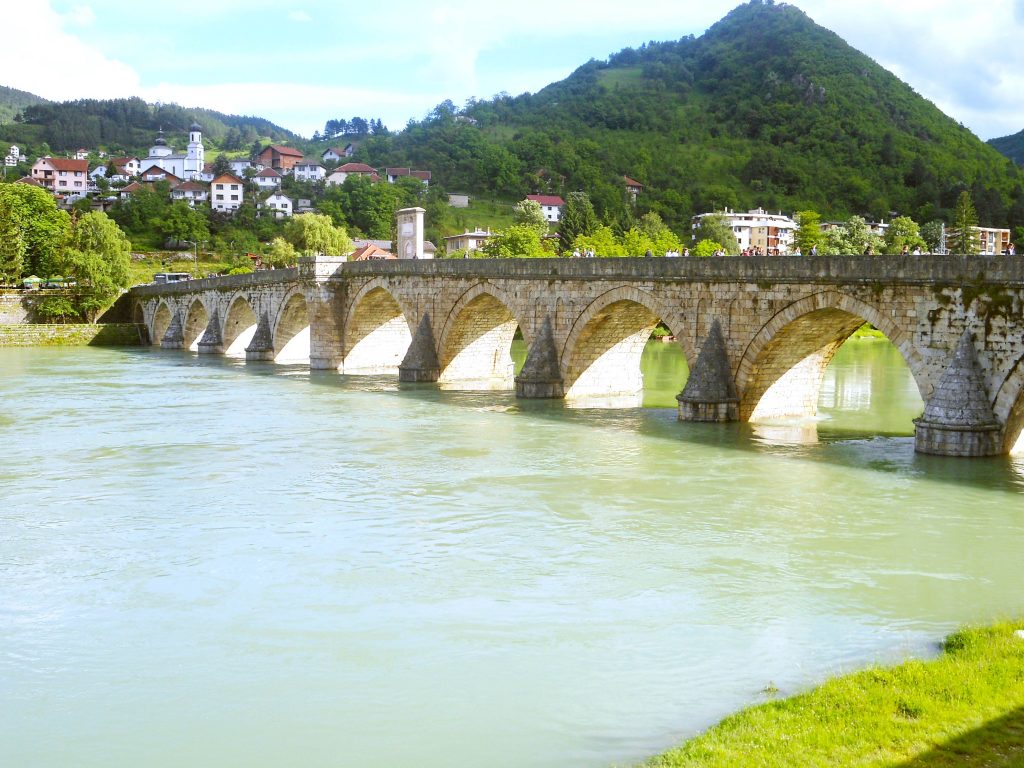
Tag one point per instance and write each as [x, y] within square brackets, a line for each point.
[1011, 146]
[12, 101]
[765, 109]
[130, 125]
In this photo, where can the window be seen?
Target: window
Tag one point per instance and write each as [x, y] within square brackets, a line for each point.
[78, 183]
[218, 186]
[63, 173]
[234, 187]
[234, 197]
[219, 197]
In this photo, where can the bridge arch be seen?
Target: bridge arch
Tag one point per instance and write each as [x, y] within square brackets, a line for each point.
[162, 317]
[239, 325]
[376, 330]
[601, 355]
[782, 368]
[291, 329]
[1009, 408]
[196, 320]
[476, 340]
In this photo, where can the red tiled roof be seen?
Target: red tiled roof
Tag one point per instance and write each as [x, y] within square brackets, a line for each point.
[371, 251]
[355, 168]
[28, 180]
[191, 186]
[421, 175]
[547, 199]
[133, 187]
[632, 182]
[397, 171]
[269, 172]
[285, 150]
[228, 176]
[61, 164]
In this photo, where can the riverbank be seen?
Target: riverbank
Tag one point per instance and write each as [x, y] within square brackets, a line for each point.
[71, 335]
[963, 708]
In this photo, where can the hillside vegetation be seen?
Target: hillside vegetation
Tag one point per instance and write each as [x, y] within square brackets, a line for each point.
[766, 108]
[1011, 146]
[13, 101]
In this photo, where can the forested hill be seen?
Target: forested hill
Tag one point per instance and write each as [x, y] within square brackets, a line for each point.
[766, 108]
[12, 101]
[130, 125]
[1011, 146]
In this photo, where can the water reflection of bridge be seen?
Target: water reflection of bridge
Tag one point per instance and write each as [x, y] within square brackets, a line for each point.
[758, 333]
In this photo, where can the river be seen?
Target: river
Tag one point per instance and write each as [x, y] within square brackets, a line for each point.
[206, 563]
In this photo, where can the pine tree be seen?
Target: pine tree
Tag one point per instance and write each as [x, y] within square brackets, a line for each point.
[578, 218]
[965, 219]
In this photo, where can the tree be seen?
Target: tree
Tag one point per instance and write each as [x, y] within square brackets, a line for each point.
[313, 233]
[706, 248]
[578, 218]
[12, 246]
[43, 228]
[851, 238]
[518, 241]
[528, 213]
[601, 241]
[280, 253]
[808, 234]
[715, 227]
[184, 223]
[903, 232]
[965, 219]
[932, 233]
[98, 257]
[221, 165]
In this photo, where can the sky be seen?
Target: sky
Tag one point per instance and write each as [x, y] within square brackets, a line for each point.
[302, 62]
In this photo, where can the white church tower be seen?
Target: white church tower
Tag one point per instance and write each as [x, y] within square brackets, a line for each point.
[195, 159]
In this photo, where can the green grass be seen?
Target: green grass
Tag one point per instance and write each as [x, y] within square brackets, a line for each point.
[963, 708]
[142, 271]
[483, 214]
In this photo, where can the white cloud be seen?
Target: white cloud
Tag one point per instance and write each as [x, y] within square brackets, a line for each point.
[81, 15]
[79, 71]
[299, 16]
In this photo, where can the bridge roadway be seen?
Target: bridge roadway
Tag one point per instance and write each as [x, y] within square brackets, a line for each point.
[758, 333]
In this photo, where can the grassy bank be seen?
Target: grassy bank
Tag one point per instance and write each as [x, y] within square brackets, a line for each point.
[963, 708]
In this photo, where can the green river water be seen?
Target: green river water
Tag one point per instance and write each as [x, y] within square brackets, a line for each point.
[207, 563]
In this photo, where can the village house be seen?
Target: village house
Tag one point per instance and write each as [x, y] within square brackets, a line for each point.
[239, 165]
[13, 156]
[336, 154]
[125, 166]
[267, 179]
[280, 158]
[309, 170]
[227, 193]
[61, 175]
[279, 205]
[550, 205]
[342, 172]
[371, 252]
[155, 173]
[81, 154]
[467, 241]
[394, 174]
[191, 192]
[633, 188]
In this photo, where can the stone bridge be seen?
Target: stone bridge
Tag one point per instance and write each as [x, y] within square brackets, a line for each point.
[757, 333]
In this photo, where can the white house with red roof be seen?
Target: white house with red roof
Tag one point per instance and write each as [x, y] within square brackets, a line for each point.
[267, 179]
[342, 172]
[550, 205]
[156, 173]
[191, 192]
[227, 193]
[62, 175]
[633, 187]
